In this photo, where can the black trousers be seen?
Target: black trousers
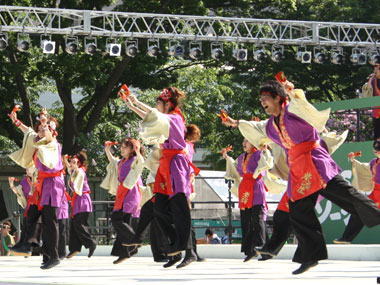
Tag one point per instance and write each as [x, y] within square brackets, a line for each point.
[281, 232]
[33, 225]
[253, 229]
[62, 229]
[122, 223]
[50, 231]
[376, 128]
[353, 228]
[174, 211]
[80, 233]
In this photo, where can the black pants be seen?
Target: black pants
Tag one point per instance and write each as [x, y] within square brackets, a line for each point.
[376, 128]
[62, 227]
[174, 211]
[122, 223]
[33, 226]
[80, 233]
[50, 231]
[281, 232]
[253, 228]
[353, 228]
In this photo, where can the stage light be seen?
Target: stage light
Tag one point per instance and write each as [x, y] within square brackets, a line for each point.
[373, 57]
[240, 53]
[175, 49]
[337, 56]
[47, 45]
[3, 41]
[277, 53]
[195, 50]
[153, 48]
[359, 56]
[217, 50]
[113, 49]
[90, 45]
[320, 55]
[131, 48]
[23, 42]
[71, 45]
[259, 54]
[303, 55]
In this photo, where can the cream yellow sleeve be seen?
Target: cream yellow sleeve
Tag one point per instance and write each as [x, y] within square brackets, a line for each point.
[362, 176]
[48, 153]
[110, 182]
[21, 200]
[24, 156]
[265, 162]
[367, 90]
[78, 180]
[152, 162]
[254, 132]
[333, 141]
[231, 173]
[302, 108]
[280, 167]
[155, 127]
[274, 184]
[135, 173]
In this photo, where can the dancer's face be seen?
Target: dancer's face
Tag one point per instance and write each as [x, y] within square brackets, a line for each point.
[376, 71]
[377, 153]
[163, 107]
[125, 150]
[247, 146]
[271, 105]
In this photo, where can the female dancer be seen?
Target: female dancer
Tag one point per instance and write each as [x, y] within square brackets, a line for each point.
[165, 124]
[124, 180]
[43, 149]
[251, 166]
[81, 205]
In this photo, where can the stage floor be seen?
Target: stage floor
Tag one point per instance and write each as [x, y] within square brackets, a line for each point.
[142, 270]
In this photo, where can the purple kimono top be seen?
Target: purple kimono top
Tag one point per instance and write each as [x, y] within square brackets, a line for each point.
[371, 164]
[25, 187]
[300, 131]
[180, 169]
[53, 187]
[63, 210]
[132, 200]
[82, 203]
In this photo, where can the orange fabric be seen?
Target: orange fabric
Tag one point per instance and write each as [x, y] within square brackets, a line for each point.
[284, 203]
[305, 179]
[375, 195]
[246, 191]
[120, 195]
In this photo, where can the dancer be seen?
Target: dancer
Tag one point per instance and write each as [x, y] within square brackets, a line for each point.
[366, 177]
[81, 205]
[295, 128]
[124, 180]
[165, 124]
[251, 166]
[43, 149]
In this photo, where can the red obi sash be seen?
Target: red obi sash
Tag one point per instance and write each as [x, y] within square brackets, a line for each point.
[35, 199]
[375, 195]
[75, 195]
[305, 178]
[284, 203]
[246, 191]
[120, 195]
[162, 184]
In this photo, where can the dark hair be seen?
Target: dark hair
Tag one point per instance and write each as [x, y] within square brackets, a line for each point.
[50, 118]
[128, 142]
[376, 145]
[82, 156]
[193, 133]
[36, 125]
[275, 88]
[7, 223]
[177, 96]
[209, 232]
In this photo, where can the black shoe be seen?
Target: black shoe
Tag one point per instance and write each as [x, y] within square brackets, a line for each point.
[305, 267]
[163, 260]
[201, 259]
[173, 260]
[133, 242]
[50, 264]
[120, 259]
[24, 250]
[72, 253]
[341, 241]
[91, 250]
[265, 257]
[250, 256]
[263, 250]
[133, 252]
[186, 261]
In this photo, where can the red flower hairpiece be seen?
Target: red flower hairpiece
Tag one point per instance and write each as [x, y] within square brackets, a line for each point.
[165, 94]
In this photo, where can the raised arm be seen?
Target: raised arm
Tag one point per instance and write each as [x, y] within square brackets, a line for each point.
[18, 123]
[107, 148]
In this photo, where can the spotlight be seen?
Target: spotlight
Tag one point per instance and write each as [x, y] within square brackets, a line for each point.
[259, 54]
[3, 41]
[153, 47]
[23, 42]
[131, 48]
[303, 55]
[277, 53]
[320, 55]
[240, 53]
[195, 50]
[359, 56]
[90, 45]
[374, 57]
[71, 45]
[337, 56]
[175, 49]
[113, 49]
[47, 45]
[217, 50]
